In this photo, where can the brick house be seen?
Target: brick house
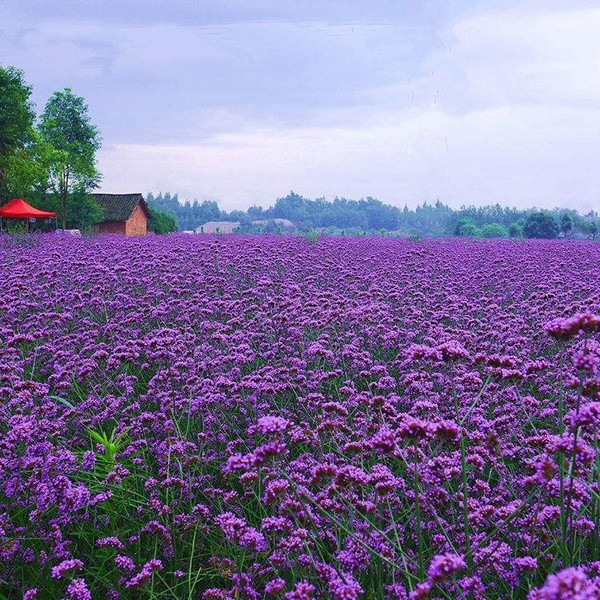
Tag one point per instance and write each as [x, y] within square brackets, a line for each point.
[123, 213]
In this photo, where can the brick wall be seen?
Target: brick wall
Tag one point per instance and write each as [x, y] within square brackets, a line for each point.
[111, 227]
[137, 224]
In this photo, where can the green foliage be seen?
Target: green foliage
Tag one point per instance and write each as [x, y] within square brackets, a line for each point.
[484, 215]
[515, 230]
[111, 443]
[566, 223]
[65, 125]
[465, 228]
[493, 230]
[16, 226]
[28, 169]
[16, 121]
[83, 212]
[592, 229]
[540, 225]
[161, 221]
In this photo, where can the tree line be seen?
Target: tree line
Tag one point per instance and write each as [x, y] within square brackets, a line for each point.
[369, 215]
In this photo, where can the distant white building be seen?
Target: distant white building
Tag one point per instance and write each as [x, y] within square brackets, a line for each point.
[218, 227]
[285, 223]
[231, 226]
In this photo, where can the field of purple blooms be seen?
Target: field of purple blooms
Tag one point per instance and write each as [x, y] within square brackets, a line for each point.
[230, 417]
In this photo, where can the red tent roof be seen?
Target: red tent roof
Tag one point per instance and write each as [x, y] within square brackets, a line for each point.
[19, 209]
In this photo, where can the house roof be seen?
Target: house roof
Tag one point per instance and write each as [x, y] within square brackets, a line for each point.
[119, 207]
[218, 227]
[278, 221]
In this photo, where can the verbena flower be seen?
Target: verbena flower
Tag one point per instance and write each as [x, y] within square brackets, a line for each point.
[66, 567]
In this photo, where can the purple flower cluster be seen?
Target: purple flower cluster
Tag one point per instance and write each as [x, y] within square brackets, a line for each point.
[570, 584]
[66, 567]
[250, 417]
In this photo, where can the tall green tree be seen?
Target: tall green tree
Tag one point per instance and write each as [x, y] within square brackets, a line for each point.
[65, 124]
[28, 168]
[16, 122]
[566, 224]
[540, 224]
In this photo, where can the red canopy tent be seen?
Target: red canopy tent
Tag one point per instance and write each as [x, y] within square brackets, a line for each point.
[19, 209]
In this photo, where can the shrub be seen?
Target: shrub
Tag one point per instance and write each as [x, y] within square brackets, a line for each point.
[493, 230]
[540, 225]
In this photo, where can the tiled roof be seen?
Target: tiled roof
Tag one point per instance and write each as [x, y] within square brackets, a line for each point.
[118, 207]
[282, 222]
[218, 227]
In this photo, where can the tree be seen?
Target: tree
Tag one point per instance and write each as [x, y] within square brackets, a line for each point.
[379, 215]
[566, 224]
[589, 228]
[515, 230]
[28, 169]
[540, 224]
[83, 212]
[465, 228]
[293, 207]
[16, 121]
[65, 125]
[493, 230]
[160, 221]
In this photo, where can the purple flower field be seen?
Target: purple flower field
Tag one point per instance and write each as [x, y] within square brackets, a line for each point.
[266, 417]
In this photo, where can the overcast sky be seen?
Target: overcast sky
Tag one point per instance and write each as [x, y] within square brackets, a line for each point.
[241, 101]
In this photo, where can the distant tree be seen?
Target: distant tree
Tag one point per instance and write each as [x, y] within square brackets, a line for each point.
[293, 207]
[256, 213]
[236, 215]
[160, 221]
[379, 215]
[16, 121]
[165, 203]
[465, 228]
[515, 230]
[189, 214]
[493, 230]
[486, 215]
[65, 125]
[566, 224]
[540, 224]
[589, 228]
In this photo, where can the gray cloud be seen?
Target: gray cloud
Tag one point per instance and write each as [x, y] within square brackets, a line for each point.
[245, 101]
